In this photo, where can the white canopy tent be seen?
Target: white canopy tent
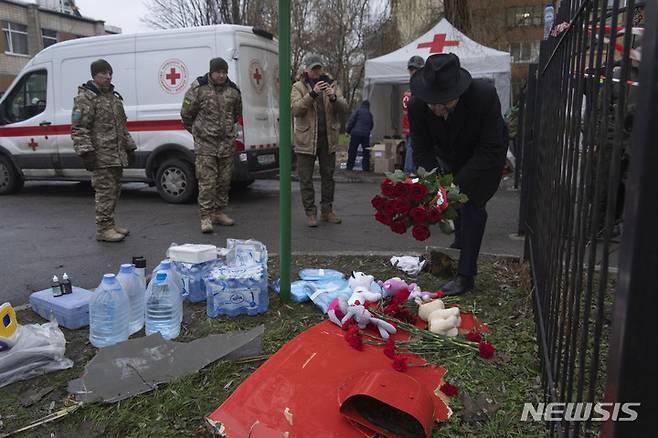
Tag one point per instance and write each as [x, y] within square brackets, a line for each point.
[387, 78]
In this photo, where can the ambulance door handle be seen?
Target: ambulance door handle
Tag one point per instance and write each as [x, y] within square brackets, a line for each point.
[45, 123]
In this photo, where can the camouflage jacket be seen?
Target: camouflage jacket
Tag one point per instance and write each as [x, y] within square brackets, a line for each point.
[210, 112]
[304, 111]
[98, 124]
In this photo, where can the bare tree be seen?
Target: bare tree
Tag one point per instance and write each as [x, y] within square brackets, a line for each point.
[458, 13]
[168, 14]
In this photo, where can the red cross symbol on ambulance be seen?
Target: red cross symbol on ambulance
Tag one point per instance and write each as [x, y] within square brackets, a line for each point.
[173, 76]
[438, 43]
[256, 75]
[33, 145]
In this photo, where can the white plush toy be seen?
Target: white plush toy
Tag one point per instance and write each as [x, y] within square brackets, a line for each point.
[363, 318]
[441, 321]
[362, 291]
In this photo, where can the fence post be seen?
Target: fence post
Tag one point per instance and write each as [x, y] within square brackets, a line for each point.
[527, 143]
[633, 355]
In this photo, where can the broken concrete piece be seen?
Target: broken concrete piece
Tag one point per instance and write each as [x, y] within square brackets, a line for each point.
[139, 365]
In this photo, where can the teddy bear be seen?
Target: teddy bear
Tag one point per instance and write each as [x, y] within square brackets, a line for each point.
[440, 320]
[362, 318]
[364, 288]
[393, 285]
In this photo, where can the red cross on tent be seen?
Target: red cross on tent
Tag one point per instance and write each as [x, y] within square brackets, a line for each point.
[173, 76]
[33, 144]
[438, 43]
[257, 76]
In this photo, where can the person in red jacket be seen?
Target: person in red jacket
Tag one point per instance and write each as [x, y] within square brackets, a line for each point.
[414, 64]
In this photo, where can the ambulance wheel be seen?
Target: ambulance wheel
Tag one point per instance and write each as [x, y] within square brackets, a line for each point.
[10, 180]
[176, 181]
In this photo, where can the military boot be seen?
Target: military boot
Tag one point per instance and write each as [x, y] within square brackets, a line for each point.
[330, 217]
[222, 218]
[206, 225]
[121, 230]
[311, 220]
[109, 235]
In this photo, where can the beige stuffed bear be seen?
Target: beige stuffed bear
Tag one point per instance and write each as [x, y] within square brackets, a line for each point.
[441, 321]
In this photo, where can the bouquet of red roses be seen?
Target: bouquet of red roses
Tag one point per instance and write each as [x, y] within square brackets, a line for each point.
[416, 203]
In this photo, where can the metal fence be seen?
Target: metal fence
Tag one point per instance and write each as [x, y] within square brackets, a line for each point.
[588, 166]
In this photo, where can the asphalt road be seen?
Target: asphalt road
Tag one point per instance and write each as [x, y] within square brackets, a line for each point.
[48, 228]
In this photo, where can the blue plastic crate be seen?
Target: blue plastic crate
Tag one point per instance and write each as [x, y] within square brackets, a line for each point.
[71, 310]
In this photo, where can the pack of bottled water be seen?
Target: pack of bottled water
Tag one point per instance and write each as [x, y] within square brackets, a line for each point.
[239, 286]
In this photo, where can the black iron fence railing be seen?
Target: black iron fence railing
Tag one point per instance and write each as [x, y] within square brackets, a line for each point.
[589, 209]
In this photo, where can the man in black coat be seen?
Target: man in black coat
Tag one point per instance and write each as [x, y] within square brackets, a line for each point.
[456, 125]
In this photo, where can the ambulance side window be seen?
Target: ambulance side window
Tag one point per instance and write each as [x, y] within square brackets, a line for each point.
[27, 99]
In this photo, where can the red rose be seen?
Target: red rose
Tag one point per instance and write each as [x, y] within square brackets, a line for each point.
[402, 205]
[355, 342]
[434, 215]
[383, 218]
[420, 232]
[473, 337]
[400, 364]
[388, 188]
[399, 226]
[378, 202]
[389, 348]
[390, 207]
[417, 192]
[406, 316]
[440, 294]
[449, 389]
[486, 350]
[418, 215]
[400, 189]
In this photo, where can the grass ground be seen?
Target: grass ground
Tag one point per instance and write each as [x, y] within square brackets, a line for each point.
[489, 405]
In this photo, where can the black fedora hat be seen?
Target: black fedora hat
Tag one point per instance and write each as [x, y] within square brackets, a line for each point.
[441, 79]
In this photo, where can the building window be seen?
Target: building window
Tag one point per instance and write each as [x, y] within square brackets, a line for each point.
[48, 37]
[522, 16]
[524, 51]
[15, 38]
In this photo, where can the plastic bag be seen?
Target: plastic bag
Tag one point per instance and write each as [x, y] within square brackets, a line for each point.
[39, 349]
[323, 293]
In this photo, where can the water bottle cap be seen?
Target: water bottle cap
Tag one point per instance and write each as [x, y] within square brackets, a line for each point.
[160, 276]
[126, 267]
[166, 263]
[65, 276]
[55, 278]
[139, 262]
[109, 277]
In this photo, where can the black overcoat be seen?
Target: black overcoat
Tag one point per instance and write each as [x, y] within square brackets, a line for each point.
[472, 142]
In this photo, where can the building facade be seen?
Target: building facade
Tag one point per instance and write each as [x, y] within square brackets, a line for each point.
[28, 28]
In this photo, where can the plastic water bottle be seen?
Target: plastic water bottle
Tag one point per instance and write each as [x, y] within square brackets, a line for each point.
[131, 282]
[139, 262]
[108, 313]
[173, 278]
[163, 307]
[549, 19]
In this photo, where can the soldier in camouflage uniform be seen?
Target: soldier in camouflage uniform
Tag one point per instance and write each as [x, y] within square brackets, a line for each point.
[211, 108]
[101, 139]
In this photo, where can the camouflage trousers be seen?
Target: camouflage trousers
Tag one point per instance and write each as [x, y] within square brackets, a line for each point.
[305, 168]
[214, 176]
[106, 182]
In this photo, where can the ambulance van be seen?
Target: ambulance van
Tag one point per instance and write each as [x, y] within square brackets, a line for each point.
[152, 71]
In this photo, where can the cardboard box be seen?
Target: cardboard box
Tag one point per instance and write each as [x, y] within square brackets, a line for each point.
[384, 165]
[378, 151]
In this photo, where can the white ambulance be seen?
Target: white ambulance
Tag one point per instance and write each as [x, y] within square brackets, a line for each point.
[152, 72]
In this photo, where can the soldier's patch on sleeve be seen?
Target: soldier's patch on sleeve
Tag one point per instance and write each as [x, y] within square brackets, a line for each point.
[186, 103]
[77, 115]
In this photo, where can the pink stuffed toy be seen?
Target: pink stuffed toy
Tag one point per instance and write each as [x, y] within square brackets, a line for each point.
[393, 285]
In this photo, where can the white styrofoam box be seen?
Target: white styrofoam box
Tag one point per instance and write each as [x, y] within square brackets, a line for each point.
[71, 311]
[192, 253]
